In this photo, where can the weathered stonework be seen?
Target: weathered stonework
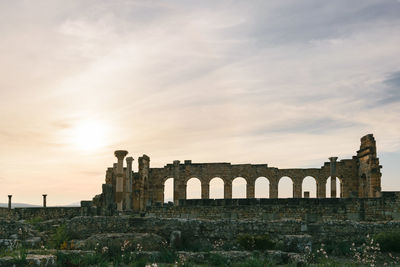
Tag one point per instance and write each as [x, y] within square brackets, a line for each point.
[359, 177]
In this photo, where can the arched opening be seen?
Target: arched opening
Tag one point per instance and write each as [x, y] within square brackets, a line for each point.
[309, 185]
[285, 187]
[338, 187]
[216, 188]
[261, 188]
[169, 190]
[193, 189]
[239, 189]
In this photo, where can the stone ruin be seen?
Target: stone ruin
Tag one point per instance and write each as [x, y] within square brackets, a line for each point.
[128, 191]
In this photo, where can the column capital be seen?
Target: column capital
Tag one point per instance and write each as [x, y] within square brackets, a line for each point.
[129, 160]
[333, 159]
[45, 195]
[120, 154]
[9, 196]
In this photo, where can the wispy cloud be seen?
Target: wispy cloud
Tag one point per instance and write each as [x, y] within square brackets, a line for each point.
[210, 81]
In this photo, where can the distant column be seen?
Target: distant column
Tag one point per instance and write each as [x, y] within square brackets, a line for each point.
[273, 187]
[9, 201]
[333, 176]
[321, 188]
[44, 200]
[205, 190]
[128, 183]
[228, 189]
[119, 187]
[306, 194]
[250, 189]
[177, 182]
[297, 188]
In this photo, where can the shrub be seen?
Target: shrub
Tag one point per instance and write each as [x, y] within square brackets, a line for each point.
[257, 242]
[389, 241]
[217, 260]
[254, 262]
[167, 256]
[64, 259]
[61, 238]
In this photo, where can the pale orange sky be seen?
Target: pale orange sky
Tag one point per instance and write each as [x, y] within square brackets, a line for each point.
[286, 83]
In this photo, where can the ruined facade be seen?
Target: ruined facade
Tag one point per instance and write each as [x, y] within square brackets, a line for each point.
[127, 190]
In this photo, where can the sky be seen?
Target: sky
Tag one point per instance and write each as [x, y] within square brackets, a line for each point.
[288, 83]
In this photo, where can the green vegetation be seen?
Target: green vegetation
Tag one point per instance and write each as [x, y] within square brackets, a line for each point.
[60, 239]
[389, 241]
[255, 242]
[36, 222]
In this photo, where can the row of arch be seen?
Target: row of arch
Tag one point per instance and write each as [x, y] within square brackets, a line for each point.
[239, 188]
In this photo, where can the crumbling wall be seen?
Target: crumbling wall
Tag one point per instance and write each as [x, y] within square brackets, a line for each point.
[42, 213]
[386, 208]
[358, 177]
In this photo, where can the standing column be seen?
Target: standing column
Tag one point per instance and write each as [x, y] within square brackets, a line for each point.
[250, 189]
[9, 201]
[205, 190]
[273, 188]
[119, 186]
[128, 183]
[297, 187]
[44, 200]
[177, 188]
[321, 188]
[228, 189]
[333, 176]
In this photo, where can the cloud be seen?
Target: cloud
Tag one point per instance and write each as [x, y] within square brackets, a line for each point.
[391, 91]
[211, 81]
[309, 126]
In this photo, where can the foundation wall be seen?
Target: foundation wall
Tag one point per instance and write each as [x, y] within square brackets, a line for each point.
[386, 208]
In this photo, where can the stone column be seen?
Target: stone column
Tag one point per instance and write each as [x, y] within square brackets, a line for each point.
[119, 186]
[306, 194]
[9, 201]
[333, 176]
[250, 189]
[273, 188]
[128, 183]
[297, 188]
[228, 189]
[44, 200]
[177, 188]
[321, 188]
[205, 190]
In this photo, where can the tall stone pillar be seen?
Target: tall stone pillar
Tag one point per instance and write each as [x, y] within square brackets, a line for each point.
[333, 174]
[297, 188]
[44, 200]
[205, 190]
[273, 188]
[228, 189]
[128, 183]
[177, 187]
[250, 189]
[9, 201]
[119, 186]
[145, 195]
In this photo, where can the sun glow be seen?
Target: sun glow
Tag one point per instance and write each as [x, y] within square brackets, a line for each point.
[88, 135]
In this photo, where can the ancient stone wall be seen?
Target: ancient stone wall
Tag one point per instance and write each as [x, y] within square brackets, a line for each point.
[42, 213]
[197, 230]
[386, 208]
[358, 177]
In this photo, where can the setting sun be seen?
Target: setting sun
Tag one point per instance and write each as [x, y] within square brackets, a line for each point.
[88, 135]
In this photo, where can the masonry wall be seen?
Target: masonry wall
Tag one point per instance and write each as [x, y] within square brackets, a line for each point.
[43, 213]
[386, 208]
